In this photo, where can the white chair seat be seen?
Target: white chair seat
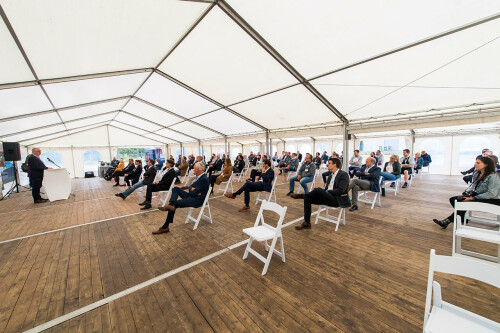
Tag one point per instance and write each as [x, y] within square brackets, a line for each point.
[260, 233]
[450, 318]
[490, 236]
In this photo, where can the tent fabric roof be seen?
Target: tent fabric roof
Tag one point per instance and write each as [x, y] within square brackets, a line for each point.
[170, 71]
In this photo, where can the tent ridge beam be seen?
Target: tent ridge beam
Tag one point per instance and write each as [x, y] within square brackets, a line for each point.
[277, 56]
[97, 125]
[143, 134]
[136, 134]
[416, 43]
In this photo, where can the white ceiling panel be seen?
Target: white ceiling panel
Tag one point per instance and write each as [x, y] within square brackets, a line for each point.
[90, 121]
[25, 100]
[18, 125]
[150, 112]
[67, 38]
[91, 110]
[14, 68]
[317, 36]
[122, 138]
[137, 122]
[159, 138]
[174, 135]
[194, 130]
[91, 90]
[222, 61]
[41, 139]
[225, 122]
[465, 72]
[169, 95]
[291, 107]
[127, 127]
[34, 134]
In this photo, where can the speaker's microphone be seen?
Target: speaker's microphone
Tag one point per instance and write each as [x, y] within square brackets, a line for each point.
[48, 158]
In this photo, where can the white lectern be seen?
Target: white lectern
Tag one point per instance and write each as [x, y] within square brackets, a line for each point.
[57, 184]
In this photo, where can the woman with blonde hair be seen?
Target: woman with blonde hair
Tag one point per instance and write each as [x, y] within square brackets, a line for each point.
[120, 166]
[392, 171]
[224, 176]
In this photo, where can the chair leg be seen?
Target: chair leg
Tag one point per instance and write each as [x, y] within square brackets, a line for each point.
[249, 245]
[269, 256]
[317, 215]
[282, 249]
[189, 215]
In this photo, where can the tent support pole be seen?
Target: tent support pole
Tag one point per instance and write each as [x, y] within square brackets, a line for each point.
[109, 144]
[346, 148]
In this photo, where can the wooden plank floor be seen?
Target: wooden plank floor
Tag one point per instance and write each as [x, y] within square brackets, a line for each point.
[370, 276]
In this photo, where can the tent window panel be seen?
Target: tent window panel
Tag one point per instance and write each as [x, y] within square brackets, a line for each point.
[91, 160]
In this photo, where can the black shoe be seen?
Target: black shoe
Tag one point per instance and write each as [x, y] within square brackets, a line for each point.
[121, 195]
[297, 196]
[288, 194]
[146, 206]
[405, 185]
[442, 223]
[393, 184]
[117, 184]
[144, 203]
[117, 194]
[383, 192]
[463, 172]
[353, 208]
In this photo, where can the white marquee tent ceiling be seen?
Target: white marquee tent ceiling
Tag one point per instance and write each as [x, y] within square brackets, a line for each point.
[171, 71]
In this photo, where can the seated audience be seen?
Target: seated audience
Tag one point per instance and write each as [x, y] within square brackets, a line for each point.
[179, 161]
[191, 177]
[335, 194]
[111, 171]
[485, 187]
[239, 164]
[372, 154]
[407, 166]
[162, 185]
[426, 157]
[194, 198]
[124, 171]
[216, 165]
[266, 184]
[299, 156]
[392, 171]
[355, 163]
[304, 176]
[324, 157]
[291, 166]
[275, 157]
[114, 163]
[134, 175]
[159, 164]
[148, 178]
[284, 162]
[183, 167]
[419, 162]
[324, 175]
[380, 158]
[254, 174]
[468, 174]
[224, 176]
[317, 161]
[369, 178]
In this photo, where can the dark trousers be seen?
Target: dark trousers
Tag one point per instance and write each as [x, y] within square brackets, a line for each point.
[236, 170]
[353, 170]
[325, 175]
[255, 173]
[118, 174]
[210, 170]
[250, 187]
[212, 180]
[318, 196]
[461, 213]
[36, 184]
[155, 188]
[467, 179]
[129, 181]
[186, 201]
[406, 169]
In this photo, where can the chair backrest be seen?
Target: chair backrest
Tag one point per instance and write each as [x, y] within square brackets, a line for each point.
[274, 207]
[478, 207]
[467, 267]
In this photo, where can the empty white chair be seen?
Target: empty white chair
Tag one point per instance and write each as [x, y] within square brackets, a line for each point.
[228, 183]
[331, 218]
[196, 220]
[461, 230]
[376, 196]
[271, 193]
[263, 232]
[165, 195]
[446, 317]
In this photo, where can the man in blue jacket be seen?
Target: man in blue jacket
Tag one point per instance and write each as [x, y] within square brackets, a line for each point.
[369, 179]
[194, 198]
[266, 184]
[35, 173]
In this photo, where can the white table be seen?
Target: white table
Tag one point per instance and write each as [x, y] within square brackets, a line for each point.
[57, 184]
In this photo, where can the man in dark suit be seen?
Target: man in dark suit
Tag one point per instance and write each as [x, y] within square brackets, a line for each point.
[162, 185]
[194, 198]
[148, 178]
[266, 184]
[215, 166]
[130, 166]
[335, 193]
[369, 179]
[134, 175]
[35, 173]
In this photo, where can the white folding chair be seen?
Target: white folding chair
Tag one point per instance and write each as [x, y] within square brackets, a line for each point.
[228, 183]
[461, 230]
[428, 169]
[331, 218]
[270, 197]
[446, 317]
[165, 195]
[312, 184]
[196, 220]
[265, 232]
[376, 196]
[394, 189]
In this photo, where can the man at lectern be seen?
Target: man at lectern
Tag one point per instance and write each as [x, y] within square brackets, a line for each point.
[35, 174]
